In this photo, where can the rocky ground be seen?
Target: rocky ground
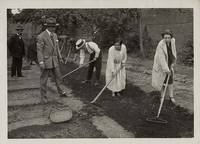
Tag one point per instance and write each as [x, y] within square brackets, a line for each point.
[123, 116]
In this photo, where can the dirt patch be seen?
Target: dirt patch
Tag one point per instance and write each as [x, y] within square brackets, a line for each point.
[132, 108]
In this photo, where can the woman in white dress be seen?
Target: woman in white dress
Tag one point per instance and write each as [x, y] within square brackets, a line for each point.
[164, 61]
[117, 57]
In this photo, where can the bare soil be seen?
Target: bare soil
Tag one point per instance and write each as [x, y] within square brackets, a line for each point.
[132, 108]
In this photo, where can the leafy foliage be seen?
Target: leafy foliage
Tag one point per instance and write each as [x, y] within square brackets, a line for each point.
[100, 25]
[103, 26]
[188, 52]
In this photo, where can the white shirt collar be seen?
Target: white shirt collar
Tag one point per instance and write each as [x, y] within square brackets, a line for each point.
[19, 35]
[48, 32]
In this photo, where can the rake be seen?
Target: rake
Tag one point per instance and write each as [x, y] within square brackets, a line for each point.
[99, 94]
[68, 54]
[157, 119]
[77, 69]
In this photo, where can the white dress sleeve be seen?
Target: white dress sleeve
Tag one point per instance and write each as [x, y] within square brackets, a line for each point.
[124, 54]
[111, 59]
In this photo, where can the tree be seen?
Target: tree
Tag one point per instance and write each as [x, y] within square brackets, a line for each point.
[106, 24]
[140, 32]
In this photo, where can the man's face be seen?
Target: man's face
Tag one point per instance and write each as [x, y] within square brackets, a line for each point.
[167, 38]
[52, 29]
[20, 31]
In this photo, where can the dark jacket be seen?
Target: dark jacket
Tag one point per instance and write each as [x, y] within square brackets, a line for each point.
[16, 46]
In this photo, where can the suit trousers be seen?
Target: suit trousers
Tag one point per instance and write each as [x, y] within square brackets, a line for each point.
[97, 64]
[16, 66]
[55, 71]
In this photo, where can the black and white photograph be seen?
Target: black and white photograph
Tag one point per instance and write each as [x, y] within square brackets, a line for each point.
[100, 73]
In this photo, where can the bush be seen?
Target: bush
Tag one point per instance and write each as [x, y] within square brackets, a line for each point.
[188, 54]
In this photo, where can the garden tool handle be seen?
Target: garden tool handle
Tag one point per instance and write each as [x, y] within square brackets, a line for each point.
[62, 46]
[163, 95]
[68, 54]
[77, 69]
[94, 100]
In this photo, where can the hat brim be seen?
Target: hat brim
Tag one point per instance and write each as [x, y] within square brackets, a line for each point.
[19, 29]
[79, 47]
[51, 25]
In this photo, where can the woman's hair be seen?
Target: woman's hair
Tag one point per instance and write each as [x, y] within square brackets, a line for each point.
[167, 32]
[119, 40]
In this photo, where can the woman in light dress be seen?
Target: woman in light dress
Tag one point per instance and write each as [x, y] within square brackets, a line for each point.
[117, 57]
[164, 62]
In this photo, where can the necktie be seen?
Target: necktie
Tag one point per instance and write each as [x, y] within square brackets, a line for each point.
[51, 35]
[19, 36]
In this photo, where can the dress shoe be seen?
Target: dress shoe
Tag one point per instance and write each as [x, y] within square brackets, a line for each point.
[96, 83]
[172, 99]
[63, 94]
[118, 94]
[113, 94]
[86, 81]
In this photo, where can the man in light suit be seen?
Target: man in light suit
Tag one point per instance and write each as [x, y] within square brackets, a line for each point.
[48, 55]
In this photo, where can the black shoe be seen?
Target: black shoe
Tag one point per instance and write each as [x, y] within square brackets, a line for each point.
[172, 100]
[86, 81]
[96, 83]
[20, 76]
[118, 94]
[63, 94]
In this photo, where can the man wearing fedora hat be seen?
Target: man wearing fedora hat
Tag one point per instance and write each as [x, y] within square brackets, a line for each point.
[17, 51]
[95, 54]
[164, 61]
[48, 54]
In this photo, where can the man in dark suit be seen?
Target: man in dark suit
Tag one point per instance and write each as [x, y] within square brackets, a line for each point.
[17, 51]
[48, 54]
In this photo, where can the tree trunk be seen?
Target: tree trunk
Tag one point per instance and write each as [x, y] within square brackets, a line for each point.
[141, 34]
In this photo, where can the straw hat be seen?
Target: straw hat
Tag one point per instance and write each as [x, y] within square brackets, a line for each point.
[80, 43]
